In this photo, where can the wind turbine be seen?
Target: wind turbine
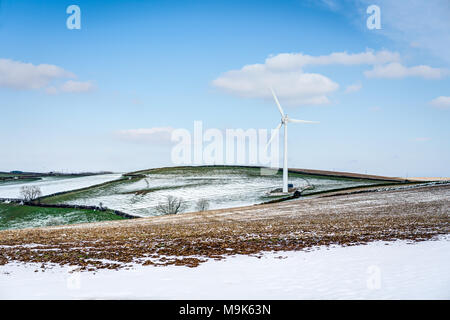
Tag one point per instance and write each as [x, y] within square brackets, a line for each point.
[284, 121]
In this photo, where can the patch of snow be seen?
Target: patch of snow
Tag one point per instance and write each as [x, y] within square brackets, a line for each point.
[50, 185]
[378, 270]
[224, 188]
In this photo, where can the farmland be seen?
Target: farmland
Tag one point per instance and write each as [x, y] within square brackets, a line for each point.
[189, 239]
[222, 187]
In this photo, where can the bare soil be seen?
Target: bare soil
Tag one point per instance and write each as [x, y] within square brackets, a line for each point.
[189, 239]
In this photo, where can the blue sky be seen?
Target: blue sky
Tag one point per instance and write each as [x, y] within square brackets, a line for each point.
[163, 64]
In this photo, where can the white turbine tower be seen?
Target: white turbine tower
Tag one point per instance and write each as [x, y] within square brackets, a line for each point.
[284, 121]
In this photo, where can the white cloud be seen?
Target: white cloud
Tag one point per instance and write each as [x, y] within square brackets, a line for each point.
[353, 88]
[299, 60]
[422, 139]
[416, 21]
[397, 70]
[292, 87]
[285, 73]
[77, 86]
[156, 134]
[136, 101]
[51, 90]
[26, 76]
[413, 23]
[441, 102]
[71, 87]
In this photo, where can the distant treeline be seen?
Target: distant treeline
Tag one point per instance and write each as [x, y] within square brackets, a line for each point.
[30, 175]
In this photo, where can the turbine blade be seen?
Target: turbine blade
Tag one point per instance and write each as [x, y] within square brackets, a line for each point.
[273, 136]
[301, 121]
[278, 103]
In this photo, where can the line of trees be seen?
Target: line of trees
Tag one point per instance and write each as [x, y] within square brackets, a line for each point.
[174, 205]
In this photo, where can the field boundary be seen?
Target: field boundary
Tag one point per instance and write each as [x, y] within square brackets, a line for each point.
[123, 178]
[313, 172]
[68, 206]
[342, 174]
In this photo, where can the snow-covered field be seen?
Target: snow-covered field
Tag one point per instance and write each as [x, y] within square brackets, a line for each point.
[222, 187]
[50, 185]
[379, 270]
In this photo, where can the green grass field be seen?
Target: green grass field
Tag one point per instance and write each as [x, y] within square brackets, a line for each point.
[14, 216]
